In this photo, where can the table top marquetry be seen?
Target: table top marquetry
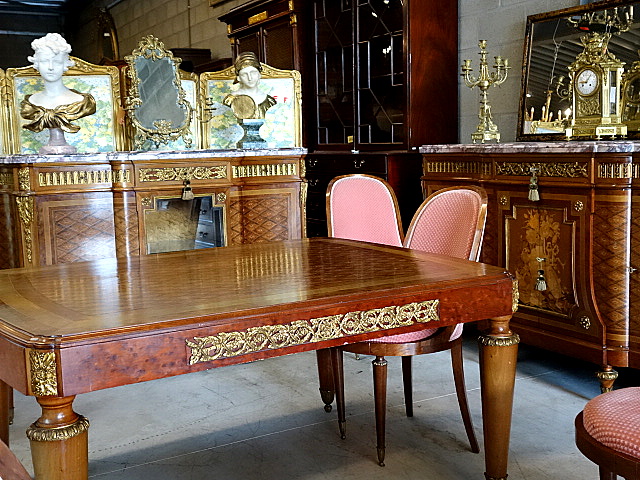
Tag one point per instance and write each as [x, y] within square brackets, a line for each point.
[170, 290]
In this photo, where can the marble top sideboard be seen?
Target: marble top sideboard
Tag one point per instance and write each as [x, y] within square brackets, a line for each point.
[535, 147]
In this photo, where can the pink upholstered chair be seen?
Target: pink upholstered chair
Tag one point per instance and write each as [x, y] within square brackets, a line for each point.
[608, 433]
[363, 207]
[449, 222]
[359, 207]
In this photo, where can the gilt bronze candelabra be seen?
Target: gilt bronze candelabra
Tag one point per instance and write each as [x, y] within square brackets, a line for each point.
[487, 130]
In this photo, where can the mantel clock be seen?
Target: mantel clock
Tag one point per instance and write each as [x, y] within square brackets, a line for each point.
[595, 78]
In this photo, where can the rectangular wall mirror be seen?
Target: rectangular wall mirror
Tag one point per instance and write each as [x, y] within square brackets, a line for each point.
[552, 43]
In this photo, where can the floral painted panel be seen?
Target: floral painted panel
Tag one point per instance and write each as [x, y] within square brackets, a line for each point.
[280, 123]
[96, 131]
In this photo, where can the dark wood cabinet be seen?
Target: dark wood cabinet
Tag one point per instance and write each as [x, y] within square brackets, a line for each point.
[385, 84]
[401, 169]
[385, 73]
[575, 251]
[269, 28]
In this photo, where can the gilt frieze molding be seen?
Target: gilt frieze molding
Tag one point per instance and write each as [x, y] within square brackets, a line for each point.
[264, 170]
[618, 170]
[477, 168]
[255, 339]
[82, 177]
[42, 367]
[182, 173]
[555, 169]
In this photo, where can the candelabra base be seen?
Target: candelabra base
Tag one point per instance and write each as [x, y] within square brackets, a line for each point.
[485, 136]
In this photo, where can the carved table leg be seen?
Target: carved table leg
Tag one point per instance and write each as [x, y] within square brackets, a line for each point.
[325, 375]
[607, 377]
[5, 409]
[59, 441]
[498, 355]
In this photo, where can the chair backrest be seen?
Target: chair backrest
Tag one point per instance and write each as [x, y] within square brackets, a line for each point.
[363, 207]
[450, 222]
[10, 466]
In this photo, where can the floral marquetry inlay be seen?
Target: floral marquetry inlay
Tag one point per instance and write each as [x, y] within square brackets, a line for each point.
[231, 344]
[537, 236]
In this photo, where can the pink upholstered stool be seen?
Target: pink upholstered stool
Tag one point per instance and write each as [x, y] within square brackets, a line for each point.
[608, 433]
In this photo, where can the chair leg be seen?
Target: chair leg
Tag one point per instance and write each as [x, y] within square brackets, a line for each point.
[325, 377]
[338, 377]
[380, 396]
[461, 391]
[408, 386]
[606, 474]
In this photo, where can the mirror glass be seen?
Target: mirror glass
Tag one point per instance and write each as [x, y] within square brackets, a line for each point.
[156, 104]
[552, 43]
[158, 94]
[176, 224]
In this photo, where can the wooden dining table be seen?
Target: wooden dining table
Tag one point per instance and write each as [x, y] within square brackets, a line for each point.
[68, 329]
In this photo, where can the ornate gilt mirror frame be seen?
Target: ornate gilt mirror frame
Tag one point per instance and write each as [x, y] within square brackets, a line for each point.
[156, 93]
[552, 43]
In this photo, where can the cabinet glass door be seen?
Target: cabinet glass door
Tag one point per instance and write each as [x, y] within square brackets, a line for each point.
[380, 67]
[360, 72]
[334, 71]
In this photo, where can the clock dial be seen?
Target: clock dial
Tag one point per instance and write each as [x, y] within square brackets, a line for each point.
[587, 82]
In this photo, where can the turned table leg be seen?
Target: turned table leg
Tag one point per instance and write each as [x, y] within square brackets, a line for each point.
[5, 411]
[498, 355]
[325, 376]
[59, 441]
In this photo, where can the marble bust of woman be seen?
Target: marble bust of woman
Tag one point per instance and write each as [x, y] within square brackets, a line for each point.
[56, 106]
[248, 101]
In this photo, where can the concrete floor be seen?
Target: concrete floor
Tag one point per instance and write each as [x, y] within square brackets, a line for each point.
[265, 420]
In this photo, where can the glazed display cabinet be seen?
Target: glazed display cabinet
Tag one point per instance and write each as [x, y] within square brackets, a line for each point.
[382, 68]
[564, 218]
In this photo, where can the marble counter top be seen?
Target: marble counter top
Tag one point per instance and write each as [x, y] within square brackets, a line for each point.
[536, 147]
[148, 155]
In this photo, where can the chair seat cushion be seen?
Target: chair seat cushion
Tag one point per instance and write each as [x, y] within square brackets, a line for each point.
[416, 336]
[613, 419]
